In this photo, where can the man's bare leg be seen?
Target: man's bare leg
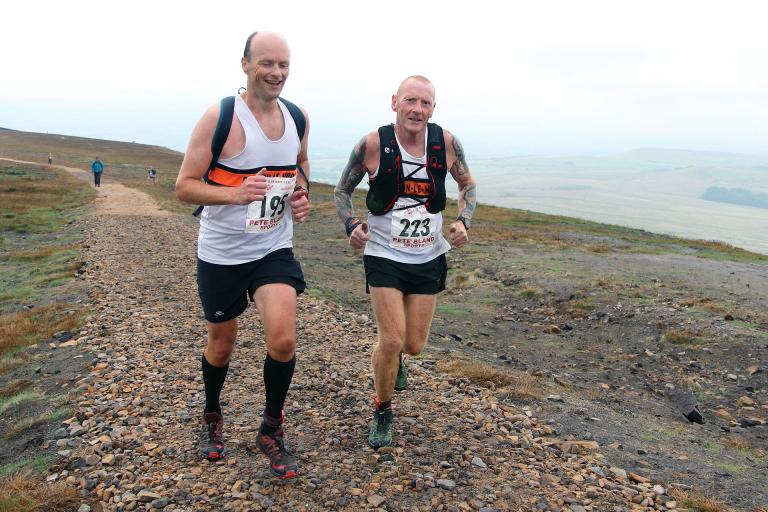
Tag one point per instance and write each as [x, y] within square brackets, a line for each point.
[389, 310]
[277, 308]
[221, 342]
[419, 311]
[276, 303]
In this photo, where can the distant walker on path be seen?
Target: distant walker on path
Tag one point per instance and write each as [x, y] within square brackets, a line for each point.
[151, 174]
[97, 167]
[50, 158]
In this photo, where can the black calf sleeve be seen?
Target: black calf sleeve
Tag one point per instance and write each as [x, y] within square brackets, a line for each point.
[213, 380]
[277, 380]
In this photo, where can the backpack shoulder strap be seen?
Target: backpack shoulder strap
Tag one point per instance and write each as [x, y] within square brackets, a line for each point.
[223, 125]
[389, 153]
[383, 191]
[436, 153]
[437, 167]
[298, 117]
[226, 111]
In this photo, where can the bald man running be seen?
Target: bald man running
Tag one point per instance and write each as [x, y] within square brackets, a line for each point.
[404, 258]
[256, 190]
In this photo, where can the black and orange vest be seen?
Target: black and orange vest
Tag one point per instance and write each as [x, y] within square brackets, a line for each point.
[390, 183]
[220, 174]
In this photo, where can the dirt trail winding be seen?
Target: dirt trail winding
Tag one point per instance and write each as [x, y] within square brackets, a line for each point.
[112, 198]
[132, 443]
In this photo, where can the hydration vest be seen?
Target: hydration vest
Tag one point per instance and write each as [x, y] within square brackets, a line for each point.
[223, 175]
[390, 183]
[219, 174]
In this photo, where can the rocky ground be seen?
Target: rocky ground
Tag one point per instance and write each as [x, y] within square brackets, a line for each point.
[628, 332]
[131, 444]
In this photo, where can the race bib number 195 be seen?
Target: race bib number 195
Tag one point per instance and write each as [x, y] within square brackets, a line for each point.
[266, 215]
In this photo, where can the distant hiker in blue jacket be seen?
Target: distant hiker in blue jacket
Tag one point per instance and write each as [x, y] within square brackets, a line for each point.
[97, 167]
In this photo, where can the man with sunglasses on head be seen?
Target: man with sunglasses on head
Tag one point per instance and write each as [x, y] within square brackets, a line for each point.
[404, 258]
[251, 195]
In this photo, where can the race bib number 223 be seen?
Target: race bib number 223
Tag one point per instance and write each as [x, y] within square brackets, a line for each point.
[412, 227]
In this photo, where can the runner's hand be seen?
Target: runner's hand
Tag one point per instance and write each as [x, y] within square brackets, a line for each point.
[300, 205]
[252, 189]
[457, 234]
[359, 236]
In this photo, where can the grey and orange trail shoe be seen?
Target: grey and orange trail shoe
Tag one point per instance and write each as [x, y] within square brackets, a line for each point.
[401, 382]
[211, 439]
[281, 462]
[380, 428]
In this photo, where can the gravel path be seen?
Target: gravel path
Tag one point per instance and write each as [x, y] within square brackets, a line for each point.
[132, 443]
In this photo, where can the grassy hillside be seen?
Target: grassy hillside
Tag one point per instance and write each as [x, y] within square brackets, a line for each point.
[41, 299]
[128, 162]
[125, 162]
[40, 239]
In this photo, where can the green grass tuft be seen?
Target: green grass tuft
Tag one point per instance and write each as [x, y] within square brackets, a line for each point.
[14, 400]
[452, 310]
[529, 293]
[38, 465]
[682, 338]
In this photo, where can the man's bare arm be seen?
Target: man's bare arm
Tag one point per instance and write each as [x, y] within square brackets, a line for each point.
[303, 158]
[350, 178]
[190, 188]
[460, 173]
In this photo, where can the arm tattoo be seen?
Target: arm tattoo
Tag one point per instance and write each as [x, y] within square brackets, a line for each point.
[351, 176]
[467, 189]
[460, 167]
[470, 200]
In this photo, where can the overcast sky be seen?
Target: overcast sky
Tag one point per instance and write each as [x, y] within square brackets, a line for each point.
[546, 77]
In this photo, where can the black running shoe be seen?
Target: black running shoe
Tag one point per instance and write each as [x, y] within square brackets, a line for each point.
[380, 430]
[211, 439]
[281, 462]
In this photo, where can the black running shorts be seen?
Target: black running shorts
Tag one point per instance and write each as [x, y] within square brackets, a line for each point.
[225, 289]
[410, 278]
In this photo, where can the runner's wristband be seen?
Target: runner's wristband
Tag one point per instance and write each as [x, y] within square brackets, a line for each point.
[464, 221]
[302, 187]
[350, 224]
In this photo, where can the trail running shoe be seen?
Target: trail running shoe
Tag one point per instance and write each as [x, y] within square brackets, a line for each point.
[281, 462]
[211, 439]
[401, 382]
[380, 431]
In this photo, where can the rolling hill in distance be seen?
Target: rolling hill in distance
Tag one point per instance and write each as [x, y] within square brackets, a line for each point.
[666, 191]
[659, 190]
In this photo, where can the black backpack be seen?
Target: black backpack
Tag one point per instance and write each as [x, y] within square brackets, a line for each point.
[390, 183]
[224, 124]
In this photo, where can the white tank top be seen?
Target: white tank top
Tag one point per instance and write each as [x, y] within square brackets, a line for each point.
[408, 233]
[228, 234]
